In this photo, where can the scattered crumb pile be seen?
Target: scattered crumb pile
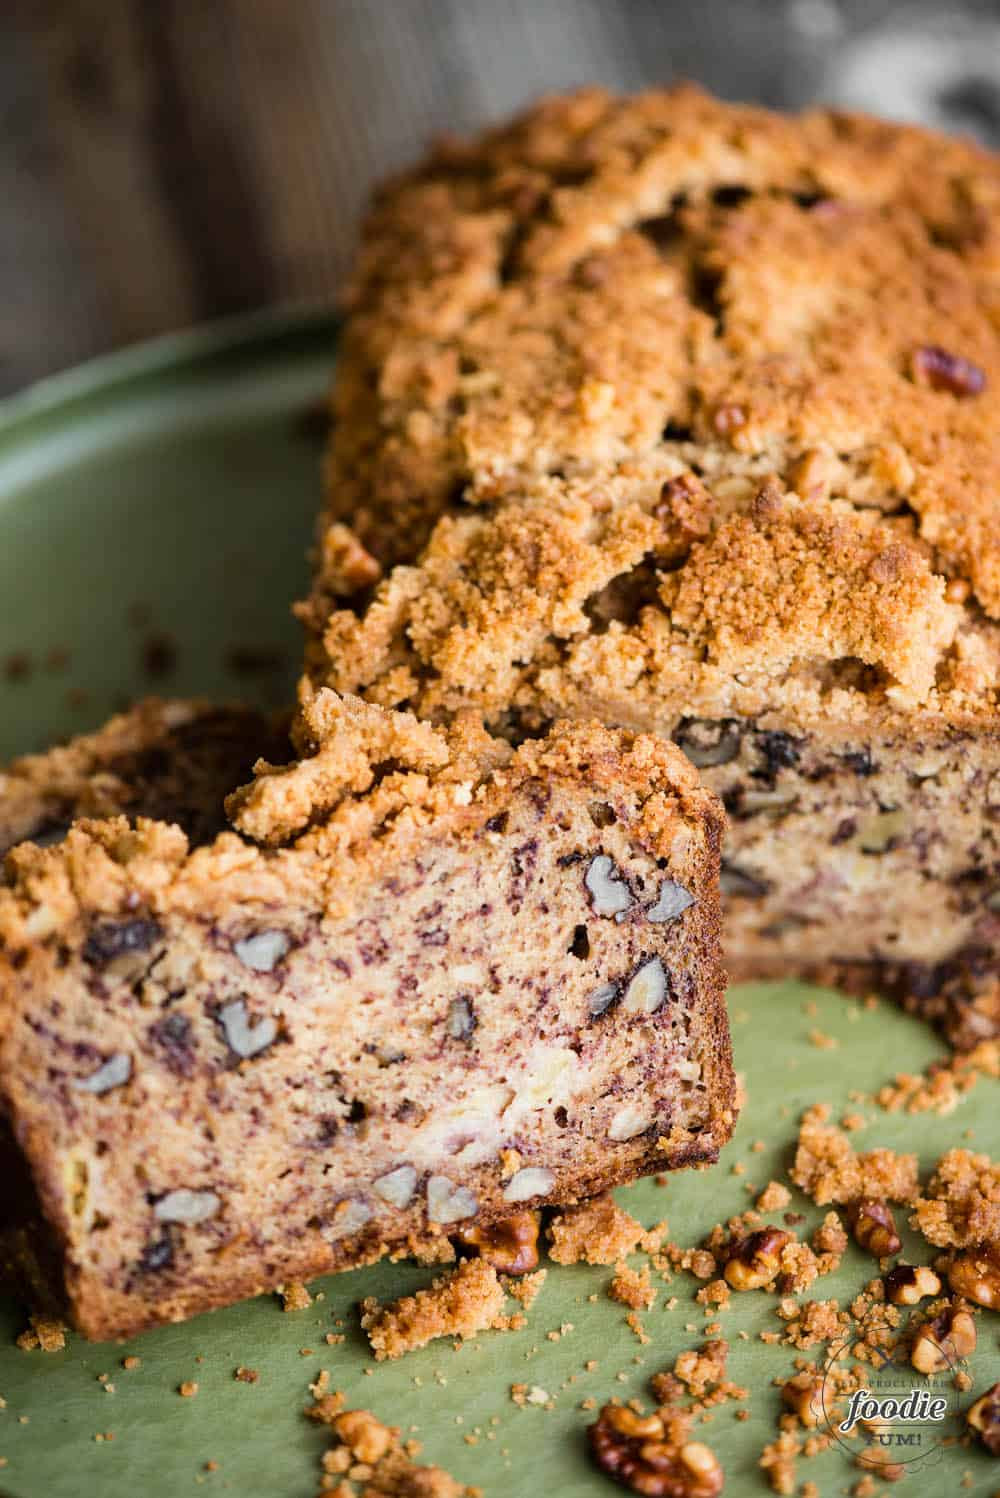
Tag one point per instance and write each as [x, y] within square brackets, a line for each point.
[42, 1332]
[596, 1232]
[466, 1300]
[368, 1460]
[921, 1313]
[294, 1296]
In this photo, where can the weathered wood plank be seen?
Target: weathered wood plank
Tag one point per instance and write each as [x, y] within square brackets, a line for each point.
[166, 161]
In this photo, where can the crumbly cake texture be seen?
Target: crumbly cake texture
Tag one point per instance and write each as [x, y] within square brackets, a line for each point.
[445, 981]
[463, 1302]
[171, 761]
[687, 416]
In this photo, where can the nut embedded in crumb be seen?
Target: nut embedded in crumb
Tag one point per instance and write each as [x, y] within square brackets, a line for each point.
[188, 1389]
[596, 1232]
[461, 1303]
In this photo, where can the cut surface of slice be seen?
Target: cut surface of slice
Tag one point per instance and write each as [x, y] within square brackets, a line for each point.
[431, 980]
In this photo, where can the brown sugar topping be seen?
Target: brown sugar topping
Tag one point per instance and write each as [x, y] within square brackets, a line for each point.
[461, 1303]
[637, 356]
[596, 1232]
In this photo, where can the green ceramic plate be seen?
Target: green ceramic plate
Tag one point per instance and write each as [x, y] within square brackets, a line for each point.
[154, 511]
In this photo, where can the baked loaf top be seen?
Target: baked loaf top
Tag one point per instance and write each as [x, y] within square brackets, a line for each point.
[373, 784]
[706, 401]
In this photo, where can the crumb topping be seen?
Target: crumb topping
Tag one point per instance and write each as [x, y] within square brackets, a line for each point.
[461, 1303]
[621, 363]
[829, 1169]
[596, 1232]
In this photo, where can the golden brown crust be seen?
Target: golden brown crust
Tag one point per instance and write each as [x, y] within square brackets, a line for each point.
[553, 324]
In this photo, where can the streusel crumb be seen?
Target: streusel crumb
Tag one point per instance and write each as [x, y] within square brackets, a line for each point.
[596, 1232]
[631, 1287]
[459, 1304]
[368, 1457]
[828, 1168]
[961, 1206]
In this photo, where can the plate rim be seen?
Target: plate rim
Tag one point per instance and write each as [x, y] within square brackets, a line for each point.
[182, 351]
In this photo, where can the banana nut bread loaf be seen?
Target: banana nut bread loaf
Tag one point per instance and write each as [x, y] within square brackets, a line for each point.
[686, 416]
[431, 980]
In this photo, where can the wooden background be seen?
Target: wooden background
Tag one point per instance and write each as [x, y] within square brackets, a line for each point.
[167, 161]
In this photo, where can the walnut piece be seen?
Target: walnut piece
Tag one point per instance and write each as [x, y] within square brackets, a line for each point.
[183, 1205]
[447, 1202]
[755, 1260]
[397, 1186]
[708, 743]
[533, 1180]
[672, 900]
[600, 1001]
[511, 1245]
[874, 1227]
[943, 1341]
[349, 1216]
[803, 1395]
[647, 988]
[461, 1019]
[634, 1450]
[628, 1123]
[940, 370]
[976, 1275]
[609, 894]
[115, 1072]
[908, 1284]
[262, 951]
[241, 1036]
[984, 1418]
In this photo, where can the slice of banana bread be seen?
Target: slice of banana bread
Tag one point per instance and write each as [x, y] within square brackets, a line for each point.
[687, 416]
[434, 980]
